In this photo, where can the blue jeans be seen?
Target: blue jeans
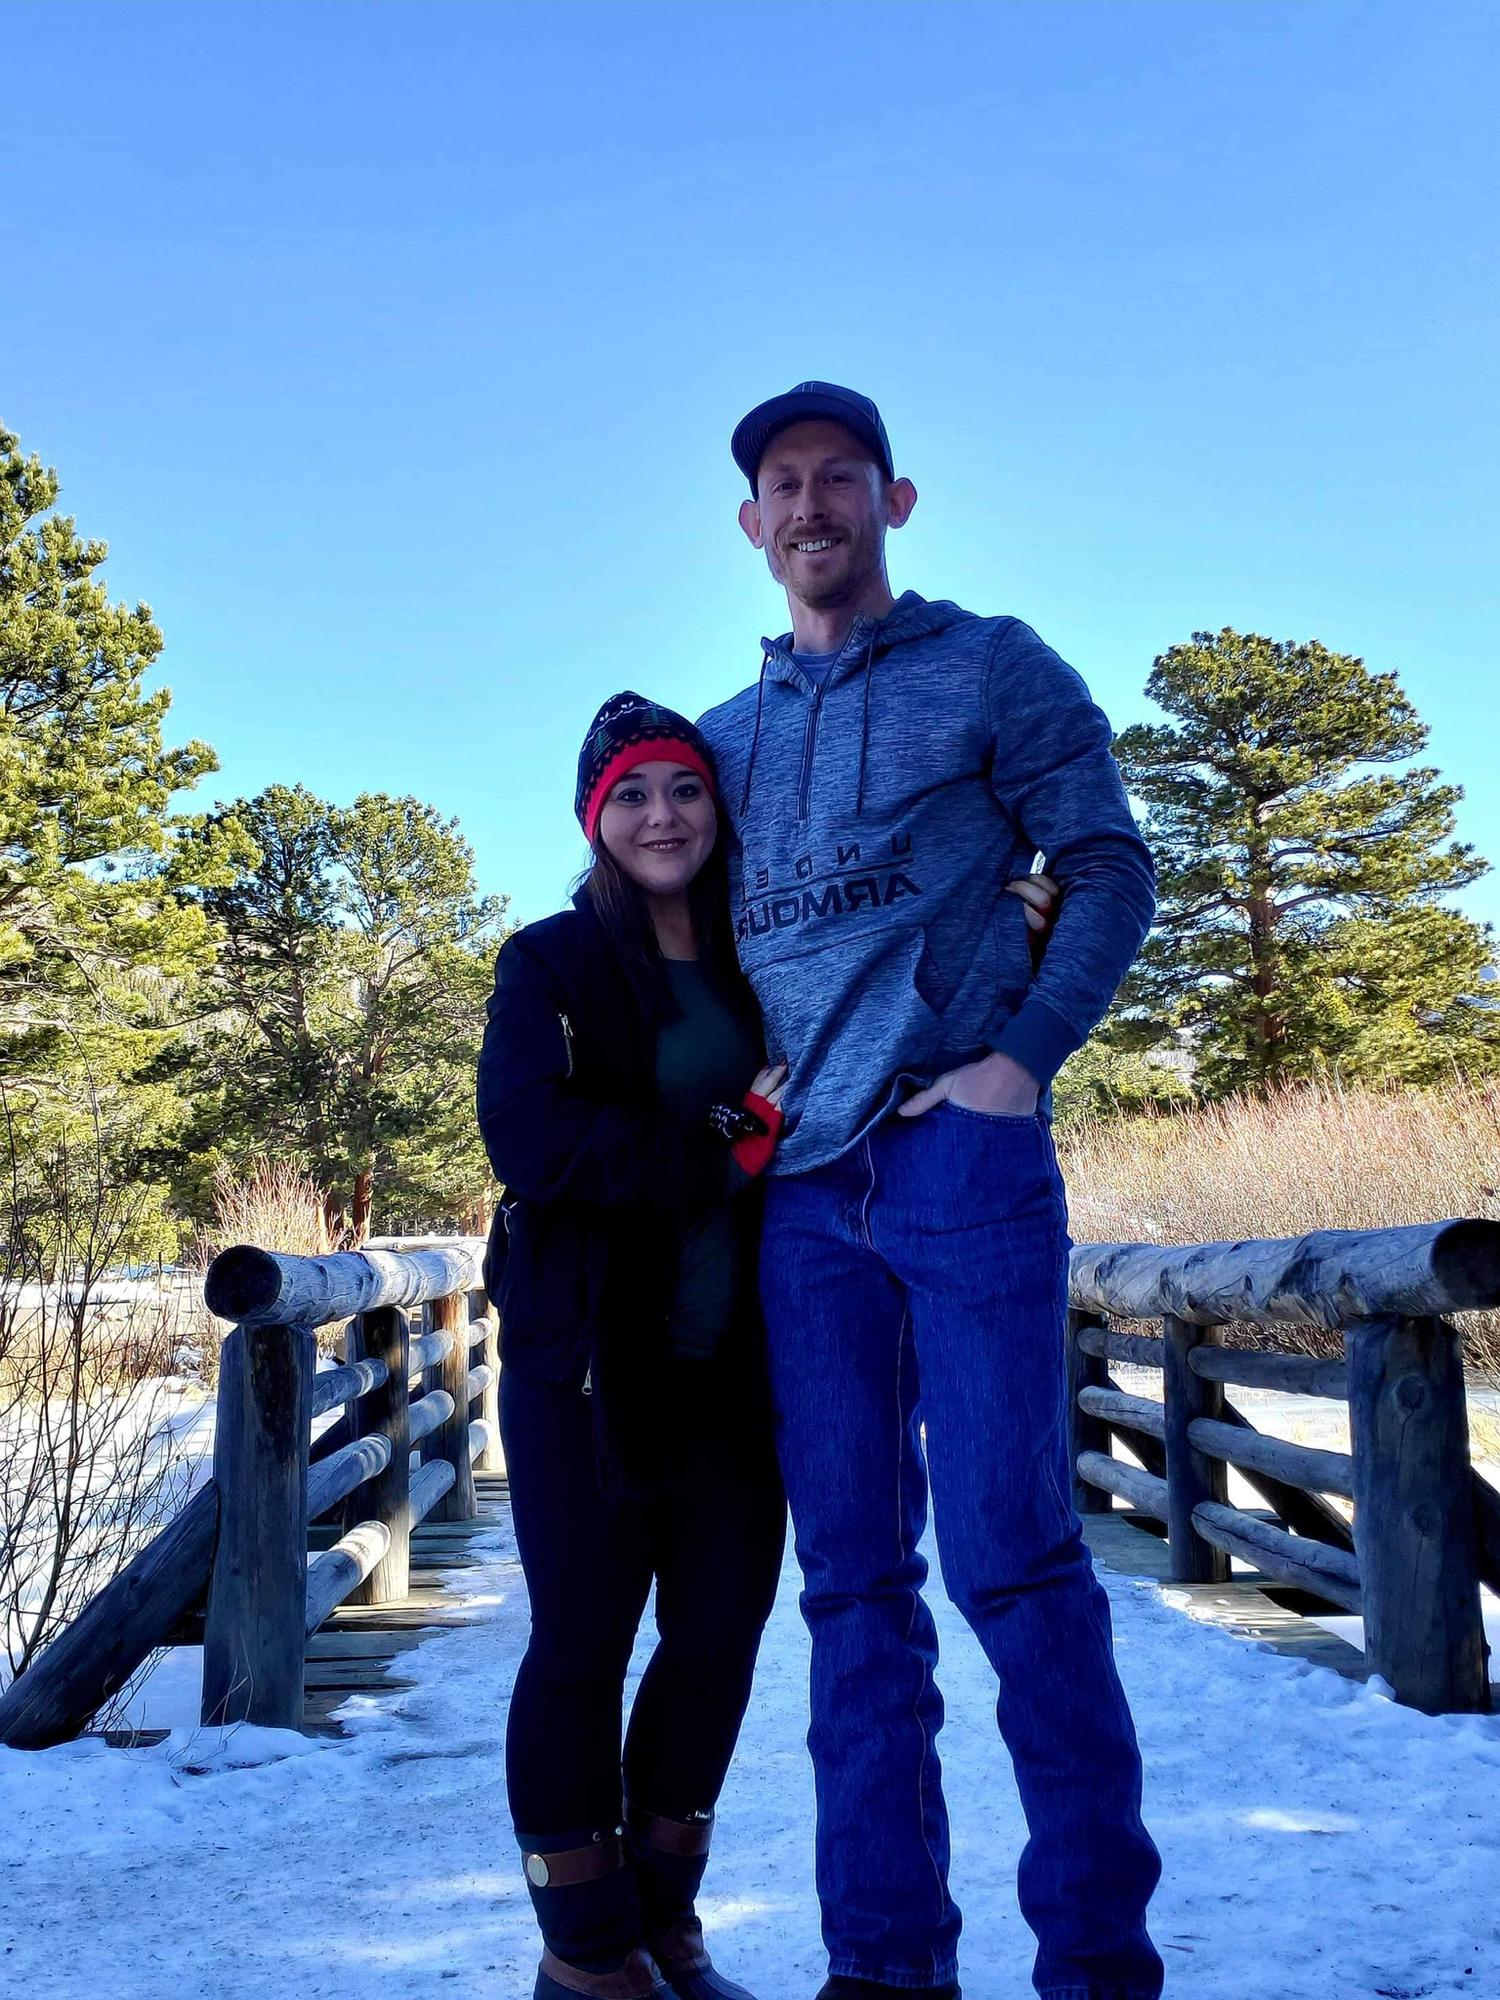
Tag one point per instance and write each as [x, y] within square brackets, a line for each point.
[917, 1282]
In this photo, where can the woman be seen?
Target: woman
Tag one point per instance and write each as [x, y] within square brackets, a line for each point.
[636, 1421]
[621, 1045]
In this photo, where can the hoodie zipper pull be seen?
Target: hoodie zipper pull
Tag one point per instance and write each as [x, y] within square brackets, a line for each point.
[567, 1028]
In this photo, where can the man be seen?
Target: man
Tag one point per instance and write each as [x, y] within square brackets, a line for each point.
[898, 762]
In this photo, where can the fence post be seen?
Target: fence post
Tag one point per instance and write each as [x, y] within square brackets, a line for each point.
[257, 1595]
[1191, 1475]
[492, 1458]
[1085, 1433]
[1414, 1528]
[451, 1439]
[385, 1335]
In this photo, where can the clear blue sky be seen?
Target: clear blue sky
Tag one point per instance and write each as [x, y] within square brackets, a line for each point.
[395, 348]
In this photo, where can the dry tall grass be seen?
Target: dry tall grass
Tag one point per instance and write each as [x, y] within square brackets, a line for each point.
[1312, 1156]
[274, 1206]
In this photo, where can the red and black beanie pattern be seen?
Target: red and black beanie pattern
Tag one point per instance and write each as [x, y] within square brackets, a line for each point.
[627, 731]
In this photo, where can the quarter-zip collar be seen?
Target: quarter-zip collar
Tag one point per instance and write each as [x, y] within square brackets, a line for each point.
[910, 617]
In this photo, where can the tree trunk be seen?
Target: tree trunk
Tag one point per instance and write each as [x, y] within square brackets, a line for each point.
[364, 1201]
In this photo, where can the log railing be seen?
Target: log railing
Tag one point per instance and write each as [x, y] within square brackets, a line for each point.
[1425, 1527]
[239, 1551]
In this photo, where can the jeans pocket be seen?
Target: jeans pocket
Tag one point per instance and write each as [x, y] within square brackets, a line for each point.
[992, 1117]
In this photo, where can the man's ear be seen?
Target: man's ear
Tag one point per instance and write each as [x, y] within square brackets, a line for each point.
[900, 498]
[750, 522]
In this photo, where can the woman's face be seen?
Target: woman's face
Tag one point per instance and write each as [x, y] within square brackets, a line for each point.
[659, 824]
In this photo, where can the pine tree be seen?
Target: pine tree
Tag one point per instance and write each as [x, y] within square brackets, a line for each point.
[1302, 863]
[95, 921]
[353, 977]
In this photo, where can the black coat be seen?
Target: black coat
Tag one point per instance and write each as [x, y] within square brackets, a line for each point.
[583, 1252]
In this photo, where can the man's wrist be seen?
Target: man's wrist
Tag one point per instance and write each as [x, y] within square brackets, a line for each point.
[1038, 1038]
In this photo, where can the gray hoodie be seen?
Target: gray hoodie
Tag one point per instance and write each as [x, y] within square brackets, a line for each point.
[876, 821]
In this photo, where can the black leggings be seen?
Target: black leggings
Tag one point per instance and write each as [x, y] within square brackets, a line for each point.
[713, 1544]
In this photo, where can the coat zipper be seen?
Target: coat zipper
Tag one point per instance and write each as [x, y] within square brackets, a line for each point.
[809, 741]
[567, 1028]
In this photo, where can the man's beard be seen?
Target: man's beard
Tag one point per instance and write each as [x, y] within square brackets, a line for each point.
[828, 593]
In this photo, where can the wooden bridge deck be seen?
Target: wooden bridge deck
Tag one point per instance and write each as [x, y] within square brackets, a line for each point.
[1249, 1604]
[358, 1650]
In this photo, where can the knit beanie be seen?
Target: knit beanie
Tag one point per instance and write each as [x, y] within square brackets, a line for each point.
[627, 731]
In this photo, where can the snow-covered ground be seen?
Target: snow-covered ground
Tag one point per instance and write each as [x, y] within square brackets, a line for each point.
[1320, 1842]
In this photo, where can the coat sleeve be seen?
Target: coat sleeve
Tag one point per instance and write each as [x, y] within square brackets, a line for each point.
[1054, 772]
[546, 1139]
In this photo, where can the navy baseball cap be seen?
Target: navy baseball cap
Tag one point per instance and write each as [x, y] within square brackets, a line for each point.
[805, 403]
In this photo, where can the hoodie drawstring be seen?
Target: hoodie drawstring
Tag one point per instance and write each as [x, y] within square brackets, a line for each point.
[864, 729]
[760, 703]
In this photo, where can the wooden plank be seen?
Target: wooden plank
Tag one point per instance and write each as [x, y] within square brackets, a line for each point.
[385, 1335]
[333, 1439]
[428, 1350]
[1138, 1349]
[1244, 1605]
[95, 1655]
[1192, 1476]
[337, 1641]
[1120, 1412]
[1150, 1450]
[332, 1574]
[1291, 1464]
[1291, 1559]
[129, 1739]
[257, 1593]
[429, 1487]
[264, 1288]
[1414, 1524]
[1304, 1513]
[487, 1345]
[429, 1413]
[353, 1677]
[333, 1386]
[460, 1502]
[425, 1608]
[1141, 1489]
[1292, 1374]
[1487, 1524]
[338, 1476]
[1086, 1431]
[1323, 1279]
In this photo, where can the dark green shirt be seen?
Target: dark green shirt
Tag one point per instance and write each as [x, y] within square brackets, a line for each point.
[709, 1055]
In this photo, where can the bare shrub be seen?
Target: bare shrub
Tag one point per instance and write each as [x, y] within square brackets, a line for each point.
[90, 1465]
[276, 1207]
[1309, 1156]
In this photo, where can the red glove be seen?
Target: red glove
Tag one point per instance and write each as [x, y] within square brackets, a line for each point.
[753, 1154]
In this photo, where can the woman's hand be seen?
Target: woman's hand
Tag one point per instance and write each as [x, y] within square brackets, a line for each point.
[770, 1083]
[1039, 893]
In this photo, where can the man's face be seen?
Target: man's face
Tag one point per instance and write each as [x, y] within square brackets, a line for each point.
[822, 512]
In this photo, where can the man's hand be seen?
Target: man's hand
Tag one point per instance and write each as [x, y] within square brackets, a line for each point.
[996, 1083]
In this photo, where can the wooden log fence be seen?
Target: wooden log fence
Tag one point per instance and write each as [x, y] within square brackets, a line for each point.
[239, 1551]
[1426, 1526]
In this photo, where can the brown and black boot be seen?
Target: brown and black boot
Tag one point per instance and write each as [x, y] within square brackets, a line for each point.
[589, 1909]
[669, 1857]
